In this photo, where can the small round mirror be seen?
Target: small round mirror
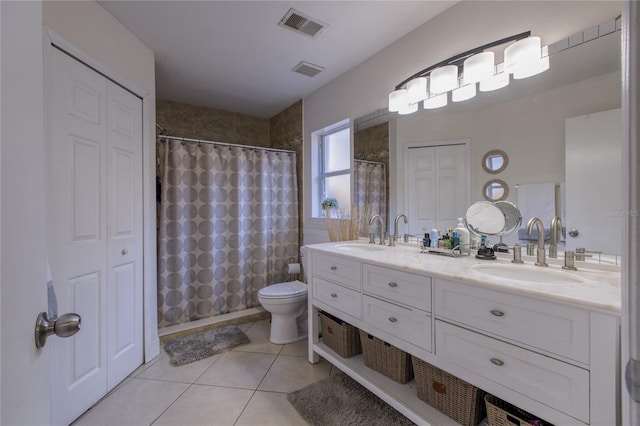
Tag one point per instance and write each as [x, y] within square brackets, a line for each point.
[495, 161]
[495, 190]
[484, 218]
[511, 214]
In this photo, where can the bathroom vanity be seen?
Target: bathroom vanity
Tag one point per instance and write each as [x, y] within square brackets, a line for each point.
[543, 339]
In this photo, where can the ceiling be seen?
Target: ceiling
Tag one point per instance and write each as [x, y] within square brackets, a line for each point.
[232, 55]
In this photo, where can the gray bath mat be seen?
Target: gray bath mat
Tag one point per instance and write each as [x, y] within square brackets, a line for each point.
[194, 347]
[340, 400]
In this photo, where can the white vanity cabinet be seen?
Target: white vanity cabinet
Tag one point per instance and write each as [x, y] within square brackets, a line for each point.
[556, 360]
[398, 304]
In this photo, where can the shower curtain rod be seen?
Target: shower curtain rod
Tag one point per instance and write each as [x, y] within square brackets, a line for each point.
[367, 161]
[180, 138]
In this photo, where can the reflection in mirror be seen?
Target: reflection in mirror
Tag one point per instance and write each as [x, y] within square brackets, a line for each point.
[495, 190]
[495, 161]
[370, 173]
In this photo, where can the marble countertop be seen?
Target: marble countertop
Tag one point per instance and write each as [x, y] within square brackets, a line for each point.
[594, 288]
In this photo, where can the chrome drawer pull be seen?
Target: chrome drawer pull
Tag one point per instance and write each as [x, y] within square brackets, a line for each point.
[334, 268]
[392, 319]
[497, 361]
[334, 295]
[392, 284]
[497, 313]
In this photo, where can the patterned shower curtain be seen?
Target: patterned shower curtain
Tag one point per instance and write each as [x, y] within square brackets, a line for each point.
[370, 187]
[227, 226]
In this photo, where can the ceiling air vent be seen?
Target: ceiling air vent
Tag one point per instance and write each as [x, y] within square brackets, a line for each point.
[301, 23]
[307, 68]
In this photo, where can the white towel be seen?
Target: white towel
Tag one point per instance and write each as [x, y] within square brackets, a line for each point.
[536, 200]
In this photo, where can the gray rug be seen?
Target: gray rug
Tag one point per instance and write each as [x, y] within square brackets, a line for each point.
[339, 400]
[194, 347]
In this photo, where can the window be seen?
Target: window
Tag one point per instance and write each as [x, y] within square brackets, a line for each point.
[333, 168]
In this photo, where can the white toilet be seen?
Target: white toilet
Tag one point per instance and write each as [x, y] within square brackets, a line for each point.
[287, 303]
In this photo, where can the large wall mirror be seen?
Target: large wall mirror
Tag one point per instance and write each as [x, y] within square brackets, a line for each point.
[531, 145]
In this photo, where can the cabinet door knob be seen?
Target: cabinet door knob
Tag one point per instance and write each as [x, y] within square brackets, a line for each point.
[334, 268]
[497, 313]
[334, 295]
[392, 319]
[392, 284]
[497, 361]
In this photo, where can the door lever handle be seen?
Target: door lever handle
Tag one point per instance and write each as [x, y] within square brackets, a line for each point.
[64, 326]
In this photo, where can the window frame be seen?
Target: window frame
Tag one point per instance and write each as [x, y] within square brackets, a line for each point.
[319, 176]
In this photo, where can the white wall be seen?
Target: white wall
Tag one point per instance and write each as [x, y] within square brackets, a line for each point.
[120, 55]
[24, 374]
[464, 26]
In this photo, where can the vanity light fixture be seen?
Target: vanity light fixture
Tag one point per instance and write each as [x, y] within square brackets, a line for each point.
[435, 101]
[463, 93]
[461, 73]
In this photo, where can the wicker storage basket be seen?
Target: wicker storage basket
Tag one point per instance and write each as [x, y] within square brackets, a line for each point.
[343, 338]
[456, 398]
[385, 358]
[501, 413]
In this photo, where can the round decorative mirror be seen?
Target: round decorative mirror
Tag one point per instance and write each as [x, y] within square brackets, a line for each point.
[495, 190]
[484, 218]
[495, 161]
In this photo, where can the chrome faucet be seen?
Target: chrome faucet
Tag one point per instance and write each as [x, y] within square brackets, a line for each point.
[534, 221]
[372, 239]
[556, 229]
[392, 240]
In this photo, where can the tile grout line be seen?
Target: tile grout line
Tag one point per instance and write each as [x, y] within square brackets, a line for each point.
[193, 383]
[170, 405]
[256, 389]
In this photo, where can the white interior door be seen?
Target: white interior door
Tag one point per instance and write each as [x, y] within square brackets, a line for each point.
[420, 189]
[594, 199]
[124, 234]
[435, 186]
[96, 247]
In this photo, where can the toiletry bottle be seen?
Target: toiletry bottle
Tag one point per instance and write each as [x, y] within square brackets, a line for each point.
[433, 236]
[463, 234]
[455, 240]
[444, 242]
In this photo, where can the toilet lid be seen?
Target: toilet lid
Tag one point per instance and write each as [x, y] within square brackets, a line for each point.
[282, 290]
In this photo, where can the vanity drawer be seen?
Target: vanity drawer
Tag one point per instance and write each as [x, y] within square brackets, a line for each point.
[343, 271]
[342, 298]
[410, 289]
[406, 323]
[559, 329]
[554, 383]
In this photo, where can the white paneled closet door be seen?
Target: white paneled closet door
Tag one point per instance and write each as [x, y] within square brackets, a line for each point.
[96, 238]
[436, 190]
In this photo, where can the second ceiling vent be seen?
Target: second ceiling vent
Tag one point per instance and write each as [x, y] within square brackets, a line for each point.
[301, 23]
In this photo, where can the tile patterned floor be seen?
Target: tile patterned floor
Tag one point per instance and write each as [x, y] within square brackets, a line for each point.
[246, 386]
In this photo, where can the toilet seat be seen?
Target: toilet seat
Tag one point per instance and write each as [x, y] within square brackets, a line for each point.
[286, 290]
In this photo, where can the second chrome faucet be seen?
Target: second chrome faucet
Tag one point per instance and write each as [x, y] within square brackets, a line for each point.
[392, 239]
[372, 239]
[541, 257]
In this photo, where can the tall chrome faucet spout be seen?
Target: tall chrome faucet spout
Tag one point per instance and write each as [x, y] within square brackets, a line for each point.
[541, 257]
[372, 239]
[392, 240]
[556, 229]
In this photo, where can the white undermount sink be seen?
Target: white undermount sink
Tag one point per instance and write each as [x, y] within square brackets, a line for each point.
[537, 274]
[360, 247]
